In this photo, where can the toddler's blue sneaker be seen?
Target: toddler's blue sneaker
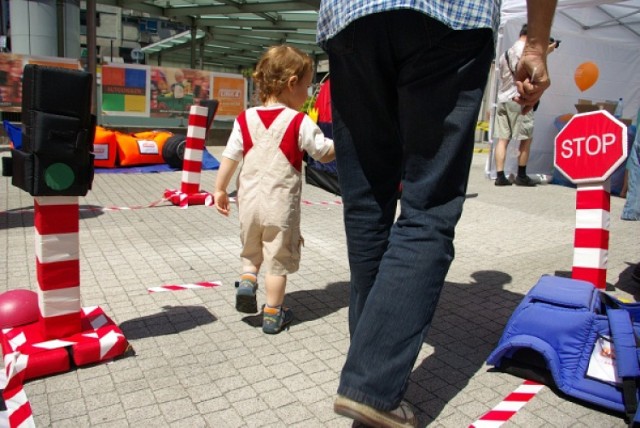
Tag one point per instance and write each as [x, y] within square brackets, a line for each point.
[246, 296]
[275, 320]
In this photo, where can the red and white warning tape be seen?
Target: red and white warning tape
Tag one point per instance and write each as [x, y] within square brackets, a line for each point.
[194, 286]
[509, 406]
[133, 207]
[101, 209]
[306, 202]
[336, 202]
[207, 202]
[18, 411]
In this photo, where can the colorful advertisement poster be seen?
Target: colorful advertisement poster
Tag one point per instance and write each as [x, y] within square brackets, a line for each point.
[231, 91]
[125, 90]
[175, 90]
[10, 82]
[11, 67]
[137, 90]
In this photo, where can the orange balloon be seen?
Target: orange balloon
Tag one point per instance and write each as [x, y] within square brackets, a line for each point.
[586, 75]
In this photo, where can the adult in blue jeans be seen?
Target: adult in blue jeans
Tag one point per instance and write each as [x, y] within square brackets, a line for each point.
[407, 80]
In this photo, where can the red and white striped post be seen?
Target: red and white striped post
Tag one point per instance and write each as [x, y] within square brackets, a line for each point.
[57, 224]
[190, 193]
[192, 163]
[591, 245]
[587, 151]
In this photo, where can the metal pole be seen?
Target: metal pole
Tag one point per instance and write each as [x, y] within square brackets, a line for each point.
[60, 27]
[194, 33]
[91, 47]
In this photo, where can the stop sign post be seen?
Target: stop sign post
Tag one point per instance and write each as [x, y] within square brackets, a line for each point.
[587, 151]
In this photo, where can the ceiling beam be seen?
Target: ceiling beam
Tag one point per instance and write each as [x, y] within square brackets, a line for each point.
[256, 23]
[134, 5]
[239, 32]
[603, 10]
[283, 6]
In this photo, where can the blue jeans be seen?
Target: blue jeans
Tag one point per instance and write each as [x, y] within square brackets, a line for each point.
[406, 92]
[631, 210]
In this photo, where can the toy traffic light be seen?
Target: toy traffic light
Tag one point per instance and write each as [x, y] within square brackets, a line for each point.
[57, 133]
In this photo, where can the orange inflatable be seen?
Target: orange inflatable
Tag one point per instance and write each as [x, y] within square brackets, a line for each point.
[142, 148]
[104, 148]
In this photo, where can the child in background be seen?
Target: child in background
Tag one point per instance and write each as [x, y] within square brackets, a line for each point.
[177, 88]
[270, 140]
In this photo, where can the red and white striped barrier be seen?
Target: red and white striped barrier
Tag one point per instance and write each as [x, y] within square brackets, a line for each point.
[98, 340]
[194, 286]
[190, 193]
[591, 245]
[183, 200]
[509, 406]
[64, 334]
[57, 223]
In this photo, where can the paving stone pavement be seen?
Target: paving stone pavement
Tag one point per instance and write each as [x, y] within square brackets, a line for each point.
[199, 363]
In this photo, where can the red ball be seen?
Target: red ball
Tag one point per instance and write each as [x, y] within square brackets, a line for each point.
[18, 307]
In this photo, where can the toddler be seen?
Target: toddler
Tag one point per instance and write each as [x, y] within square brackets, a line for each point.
[270, 140]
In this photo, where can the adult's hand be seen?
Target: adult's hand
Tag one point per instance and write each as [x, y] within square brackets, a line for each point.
[532, 77]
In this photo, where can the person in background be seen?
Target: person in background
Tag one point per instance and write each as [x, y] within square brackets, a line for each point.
[631, 209]
[407, 80]
[270, 140]
[511, 123]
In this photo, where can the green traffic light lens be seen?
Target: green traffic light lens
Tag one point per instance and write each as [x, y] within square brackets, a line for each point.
[59, 176]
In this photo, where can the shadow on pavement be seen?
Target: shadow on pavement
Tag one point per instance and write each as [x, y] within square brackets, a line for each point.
[23, 217]
[626, 283]
[309, 305]
[173, 320]
[466, 327]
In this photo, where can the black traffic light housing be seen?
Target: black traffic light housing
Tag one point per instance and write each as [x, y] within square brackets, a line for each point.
[56, 158]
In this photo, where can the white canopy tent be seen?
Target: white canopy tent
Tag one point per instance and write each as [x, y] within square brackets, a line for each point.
[606, 33]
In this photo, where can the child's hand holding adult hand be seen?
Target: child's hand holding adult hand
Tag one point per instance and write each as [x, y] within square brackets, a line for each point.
[221, 201]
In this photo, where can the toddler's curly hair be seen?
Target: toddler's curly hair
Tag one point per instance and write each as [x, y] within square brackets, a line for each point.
[276, 66]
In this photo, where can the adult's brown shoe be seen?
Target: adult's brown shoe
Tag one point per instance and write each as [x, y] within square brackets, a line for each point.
[400, 417]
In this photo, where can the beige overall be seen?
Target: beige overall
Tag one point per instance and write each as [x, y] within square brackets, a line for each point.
[269, 189]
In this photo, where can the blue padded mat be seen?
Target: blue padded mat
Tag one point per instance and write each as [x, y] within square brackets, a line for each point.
[208, 163]
[14, 133]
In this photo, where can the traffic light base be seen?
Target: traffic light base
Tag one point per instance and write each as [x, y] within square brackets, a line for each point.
[99, 340]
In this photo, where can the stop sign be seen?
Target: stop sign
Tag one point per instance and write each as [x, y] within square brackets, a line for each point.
[590, 147]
